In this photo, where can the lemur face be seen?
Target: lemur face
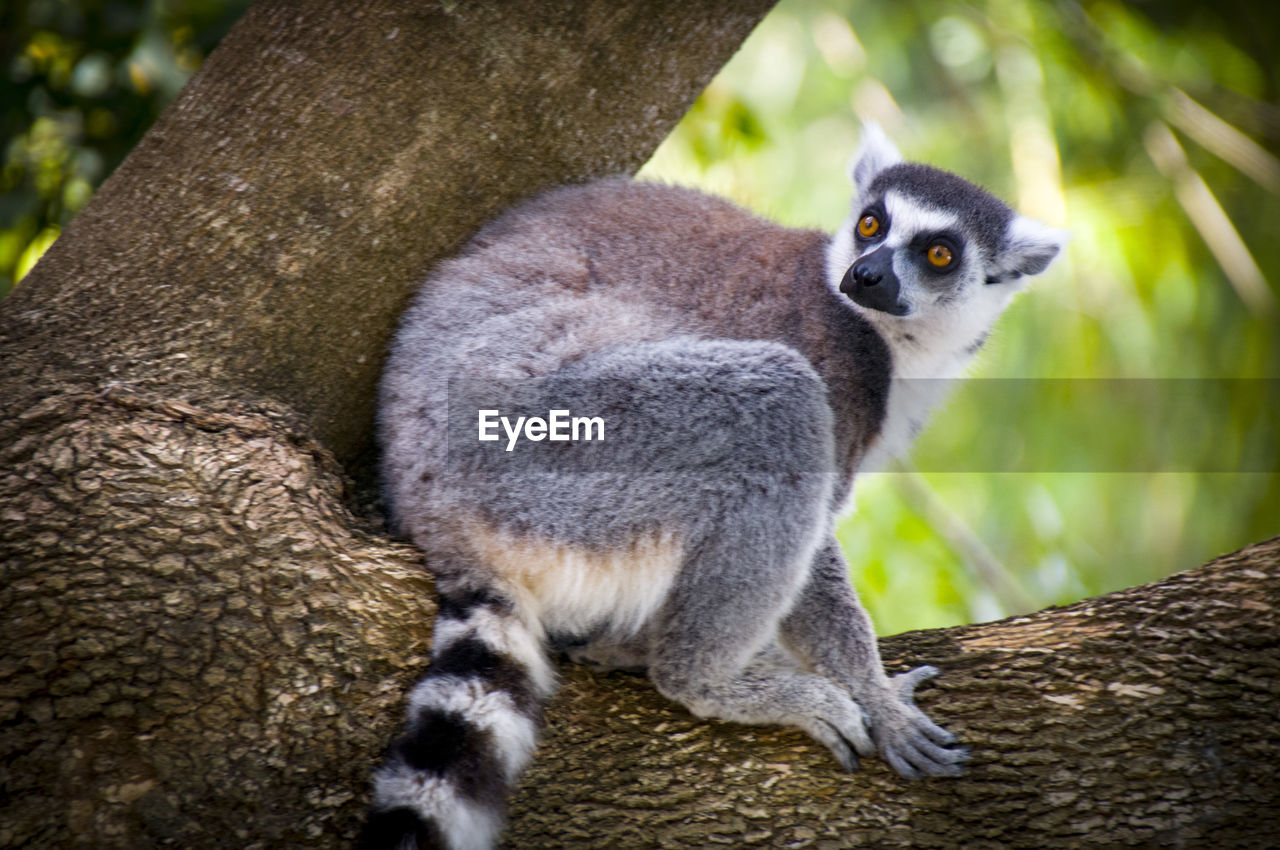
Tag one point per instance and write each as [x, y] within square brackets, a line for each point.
[922, 242]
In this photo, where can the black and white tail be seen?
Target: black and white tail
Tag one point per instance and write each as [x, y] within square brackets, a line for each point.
[473, 725]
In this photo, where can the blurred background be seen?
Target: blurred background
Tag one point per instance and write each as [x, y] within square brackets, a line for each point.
[1122, 422]
[82, 82]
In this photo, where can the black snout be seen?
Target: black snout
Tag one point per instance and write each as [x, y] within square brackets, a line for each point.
[871, 282]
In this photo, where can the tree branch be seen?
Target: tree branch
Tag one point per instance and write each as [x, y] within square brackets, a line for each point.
[1147, 717]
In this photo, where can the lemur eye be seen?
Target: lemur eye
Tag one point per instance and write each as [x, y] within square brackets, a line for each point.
[939, 256]
[868, 226]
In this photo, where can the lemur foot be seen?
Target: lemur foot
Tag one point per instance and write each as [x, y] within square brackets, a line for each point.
[813, 704]
[840, 724]
[910, 742]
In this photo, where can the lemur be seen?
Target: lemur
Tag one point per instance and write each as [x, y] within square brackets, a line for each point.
[744, 372]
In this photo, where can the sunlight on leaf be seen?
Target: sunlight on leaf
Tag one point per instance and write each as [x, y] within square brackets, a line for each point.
[36, 249]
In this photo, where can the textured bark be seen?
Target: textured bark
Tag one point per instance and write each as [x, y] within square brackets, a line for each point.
[266, 233]
[204, 647]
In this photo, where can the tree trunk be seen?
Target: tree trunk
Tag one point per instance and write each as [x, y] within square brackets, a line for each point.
[204, 647]
[264, 236]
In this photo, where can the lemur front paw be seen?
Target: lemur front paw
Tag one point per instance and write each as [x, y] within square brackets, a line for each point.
[910, 742]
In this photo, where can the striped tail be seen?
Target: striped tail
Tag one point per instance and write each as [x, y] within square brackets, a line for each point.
[473, 724]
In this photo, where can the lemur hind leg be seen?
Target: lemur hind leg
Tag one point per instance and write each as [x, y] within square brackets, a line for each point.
[715, 680]
[759, 470]
[830, 632]
[714, 650]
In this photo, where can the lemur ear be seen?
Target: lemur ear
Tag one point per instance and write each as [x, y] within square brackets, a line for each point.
[875, 154]
[1028, 250]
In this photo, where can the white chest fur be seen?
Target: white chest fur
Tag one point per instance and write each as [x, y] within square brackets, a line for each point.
[925, 367]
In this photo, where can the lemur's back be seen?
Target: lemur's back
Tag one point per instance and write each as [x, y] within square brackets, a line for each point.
[581, 268]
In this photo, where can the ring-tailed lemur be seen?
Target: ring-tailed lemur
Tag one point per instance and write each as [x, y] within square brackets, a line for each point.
[742, 372]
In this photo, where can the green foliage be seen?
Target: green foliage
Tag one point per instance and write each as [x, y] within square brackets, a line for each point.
[1025, 493]
[82, 83]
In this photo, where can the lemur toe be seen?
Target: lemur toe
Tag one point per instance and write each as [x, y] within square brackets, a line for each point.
[905, 684]
[933, 760]
[850, 724]
[936, 733]
[917, 760]
[842, 749]
[900, 765]
[939, 755]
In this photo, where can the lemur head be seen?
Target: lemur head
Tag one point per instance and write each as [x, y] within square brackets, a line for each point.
[925, 247]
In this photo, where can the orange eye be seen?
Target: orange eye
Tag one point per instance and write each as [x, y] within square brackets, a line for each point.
[868, 226]
[939, 256]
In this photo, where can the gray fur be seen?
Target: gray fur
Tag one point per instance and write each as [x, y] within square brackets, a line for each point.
[741, 393]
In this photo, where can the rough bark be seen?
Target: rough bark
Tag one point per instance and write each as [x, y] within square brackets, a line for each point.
[204, 647]
[265, 234]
